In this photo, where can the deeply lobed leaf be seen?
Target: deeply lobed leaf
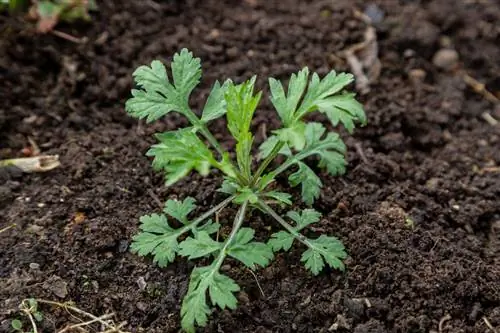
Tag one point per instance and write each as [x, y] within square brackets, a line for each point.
[157, 96]
[195, 310]
[248, 252]
[178, 153]
[325, 249]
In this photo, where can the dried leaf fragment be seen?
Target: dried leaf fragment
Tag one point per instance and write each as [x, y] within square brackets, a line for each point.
[40, 163]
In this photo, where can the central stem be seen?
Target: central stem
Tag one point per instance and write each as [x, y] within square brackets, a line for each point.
[277, 148]
[238, 222]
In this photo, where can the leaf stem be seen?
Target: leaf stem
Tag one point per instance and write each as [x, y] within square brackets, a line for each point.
[195, 121]
[206, 215]
[238, 222]
[291, 161]
[301, 238]
[262, 167]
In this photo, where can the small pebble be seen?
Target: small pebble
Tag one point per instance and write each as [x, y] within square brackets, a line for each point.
[374, 13]
[142, 306]
[34, 266]
[141, 283]
[446, 59]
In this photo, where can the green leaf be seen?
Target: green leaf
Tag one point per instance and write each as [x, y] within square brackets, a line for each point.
[344, 109]
[241, 104]
[210, 227]
[283, 239]
[267, 146]
[311, 184]
[331, 149]
[325, 249]
[319, 89]
[250, 253]
[307, 217]
[157, 95]
[215, 106]
[200, 246]
[287, 105]
[38, 316]
[157, 238]
[195, 310]
[16, 324]
[186, 73]
[281, 197]
[180, 209]
[229, 186]
[178, 153]
[294, 136]
[244, 154]
[246, 194]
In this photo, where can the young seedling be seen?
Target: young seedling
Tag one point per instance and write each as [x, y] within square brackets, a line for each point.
[194, 148]
[48, 13]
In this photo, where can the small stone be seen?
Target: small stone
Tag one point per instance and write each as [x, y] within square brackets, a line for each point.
[232, 52]
[141, 306]
[417, 75]
[446, 59]
[141, 283]
[122, 246]
[340, 323]
[374, 12]
[34, 266]
[243, 297]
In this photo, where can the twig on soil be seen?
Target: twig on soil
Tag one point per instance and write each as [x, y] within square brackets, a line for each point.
[155, 197]
[442, 321]
[66, 306]
[364, 56]
[86, 323]
[258, 284]
[361, 154]
[68, 37]
[489, 119]
[27, 310]
[479, 88]
[487, 322]
[7, 227]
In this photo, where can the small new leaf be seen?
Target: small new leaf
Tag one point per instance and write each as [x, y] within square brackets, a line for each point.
[344, 109]
[156, 238]
[283, 239]
[287, 105]
[200, 246]
[281, 197]
[215, 106]
[180, 209]
[241, 104]
[250, 253]
[325, 249]
[178, 153]
[311, 184]
[308, 216]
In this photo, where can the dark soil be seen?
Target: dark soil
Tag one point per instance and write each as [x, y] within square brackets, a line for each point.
[419, 209]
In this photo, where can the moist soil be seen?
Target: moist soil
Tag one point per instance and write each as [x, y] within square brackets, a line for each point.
[418, 209]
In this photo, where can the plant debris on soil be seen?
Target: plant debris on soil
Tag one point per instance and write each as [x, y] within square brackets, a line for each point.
[418, 210]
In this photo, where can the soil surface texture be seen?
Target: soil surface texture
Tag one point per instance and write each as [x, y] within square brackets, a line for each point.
[418, 210]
